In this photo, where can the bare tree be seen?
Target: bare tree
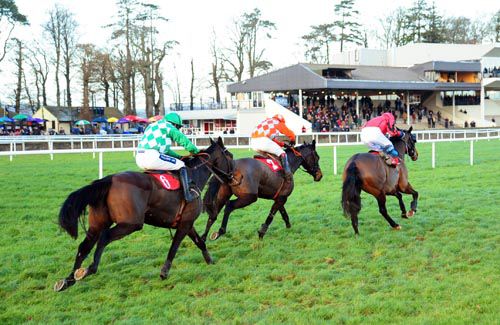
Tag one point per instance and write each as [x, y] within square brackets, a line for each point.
[87, 55]
[9, 18]
[217, 73]
[69, 42]
[318, 42]
[18, 60]
[234, 55]
[38, 60]
[53, 28]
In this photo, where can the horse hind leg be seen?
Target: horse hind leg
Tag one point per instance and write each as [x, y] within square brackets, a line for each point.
[181, 232]
[83, 251]
[381, 199]
[232, 205]
[222, 197]
[285, 217]
[200, 243]
[107, 236]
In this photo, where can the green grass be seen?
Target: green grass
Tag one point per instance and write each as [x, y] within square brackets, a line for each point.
[441, 268]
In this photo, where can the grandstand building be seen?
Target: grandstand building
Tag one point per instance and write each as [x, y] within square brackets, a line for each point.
[461, 82]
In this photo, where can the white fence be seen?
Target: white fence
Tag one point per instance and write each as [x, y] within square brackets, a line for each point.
[116, 143]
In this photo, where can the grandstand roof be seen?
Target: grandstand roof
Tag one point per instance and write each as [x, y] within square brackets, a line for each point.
[357, 77]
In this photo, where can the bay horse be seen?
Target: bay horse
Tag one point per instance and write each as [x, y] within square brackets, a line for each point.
[258, 181]
[131, 199]
[369, 172]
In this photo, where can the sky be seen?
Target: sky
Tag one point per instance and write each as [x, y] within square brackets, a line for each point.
[191, 23]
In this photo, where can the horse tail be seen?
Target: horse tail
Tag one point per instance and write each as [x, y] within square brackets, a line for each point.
[94, 195]
[210, 198]
[351, 191]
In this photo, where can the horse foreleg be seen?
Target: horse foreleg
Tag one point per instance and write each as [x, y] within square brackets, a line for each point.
[383, 211]
[284, 215]
[240, 202]
[263, 228]
[107, 236]
[181, 232]
[401, 204]
[222, 197]
[413, 205]
[201, 245]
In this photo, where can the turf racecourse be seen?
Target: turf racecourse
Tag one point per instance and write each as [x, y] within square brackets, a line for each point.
[441, 268]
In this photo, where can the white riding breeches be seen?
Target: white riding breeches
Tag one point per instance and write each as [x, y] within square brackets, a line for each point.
[149, 159]
[375, 139]
[266, 145]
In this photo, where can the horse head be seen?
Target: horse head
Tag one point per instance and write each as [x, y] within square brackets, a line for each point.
[220, 157]
[310, 159]
[408, 141]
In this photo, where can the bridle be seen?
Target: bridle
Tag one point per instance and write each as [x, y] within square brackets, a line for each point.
[310, 171]
[217, 172]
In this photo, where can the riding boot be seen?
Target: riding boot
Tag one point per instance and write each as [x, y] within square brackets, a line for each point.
[190, 192]
[286, 167]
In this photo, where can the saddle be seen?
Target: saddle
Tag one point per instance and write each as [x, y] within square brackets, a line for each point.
[167, 179]
[269, 160]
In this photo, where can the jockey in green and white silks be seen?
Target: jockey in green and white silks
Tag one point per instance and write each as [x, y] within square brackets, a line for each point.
[154, 153]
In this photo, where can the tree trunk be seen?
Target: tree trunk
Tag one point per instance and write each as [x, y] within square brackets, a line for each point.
[58, 90]
[191, 97]
[68, 83]
[106, 93]
[19, 62]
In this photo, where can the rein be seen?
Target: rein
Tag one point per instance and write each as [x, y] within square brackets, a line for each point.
[214, 170]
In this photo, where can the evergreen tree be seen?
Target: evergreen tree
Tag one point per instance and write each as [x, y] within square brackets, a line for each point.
[346, 23]
[318, 42]
[416, 18]
[434, 26]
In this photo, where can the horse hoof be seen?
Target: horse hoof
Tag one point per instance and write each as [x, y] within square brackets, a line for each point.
[61, 285]
[261, 234]
[404, 216]
[288, 225]
[80, 273]
[398, 227]
[411, 213]
[214, 235]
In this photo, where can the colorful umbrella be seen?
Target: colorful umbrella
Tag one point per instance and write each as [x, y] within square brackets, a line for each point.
[155, 118]
[100, 119]
[132, 118]
[6, 119]
[142, 120]
[123, 120]
[112, 120]
[20, 117]
[35, 120]
[82, 122]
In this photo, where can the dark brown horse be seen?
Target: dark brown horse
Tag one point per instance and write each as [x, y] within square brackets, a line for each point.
[129, 200]
[369, 172]
[258, 181]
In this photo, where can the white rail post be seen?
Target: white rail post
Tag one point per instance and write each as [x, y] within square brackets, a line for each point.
[93, 148]
[11, 149]
[133, 146]
[433, 154]
[472, 153]
[51, 148]
[334, 160]
[100, 164]
[72, 144]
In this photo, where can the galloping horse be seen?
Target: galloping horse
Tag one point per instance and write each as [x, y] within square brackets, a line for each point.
[258, 181]
[131, 199]
[368, 172]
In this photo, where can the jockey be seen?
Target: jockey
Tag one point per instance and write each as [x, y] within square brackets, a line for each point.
[373, 135]
[154, 153]
[264, 138]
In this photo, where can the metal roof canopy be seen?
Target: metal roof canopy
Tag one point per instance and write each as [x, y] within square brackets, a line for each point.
[306, 77]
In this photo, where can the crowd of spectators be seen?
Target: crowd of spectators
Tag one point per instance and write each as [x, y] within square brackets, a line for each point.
[491, 72]
[462, 100]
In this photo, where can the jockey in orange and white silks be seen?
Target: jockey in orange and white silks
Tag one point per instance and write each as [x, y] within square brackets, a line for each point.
[374, 132]
[264, 138]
